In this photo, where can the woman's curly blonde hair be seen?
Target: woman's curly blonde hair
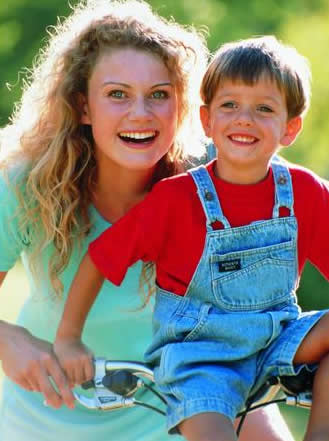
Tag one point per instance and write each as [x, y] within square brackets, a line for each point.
[45, 131]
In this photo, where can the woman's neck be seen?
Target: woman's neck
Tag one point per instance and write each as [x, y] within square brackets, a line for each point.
[117, 190]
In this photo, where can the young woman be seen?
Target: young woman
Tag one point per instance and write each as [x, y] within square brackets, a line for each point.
[109, 111]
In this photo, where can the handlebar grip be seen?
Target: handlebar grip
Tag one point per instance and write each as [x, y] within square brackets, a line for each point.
[88, 385]
[120, 382]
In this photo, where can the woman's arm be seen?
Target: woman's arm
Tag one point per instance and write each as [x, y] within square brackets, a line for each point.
[30, 362]
[265, 424]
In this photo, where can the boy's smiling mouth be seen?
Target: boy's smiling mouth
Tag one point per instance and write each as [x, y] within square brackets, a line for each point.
[243, 139]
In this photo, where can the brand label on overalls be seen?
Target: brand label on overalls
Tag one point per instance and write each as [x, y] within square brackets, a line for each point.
[229, 265]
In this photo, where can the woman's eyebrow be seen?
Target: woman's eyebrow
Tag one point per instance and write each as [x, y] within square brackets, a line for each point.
[167, 83]
[118, 83]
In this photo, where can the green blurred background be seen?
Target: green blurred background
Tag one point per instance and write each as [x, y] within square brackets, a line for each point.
[301, 23]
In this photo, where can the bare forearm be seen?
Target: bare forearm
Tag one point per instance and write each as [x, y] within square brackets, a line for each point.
[82, 294]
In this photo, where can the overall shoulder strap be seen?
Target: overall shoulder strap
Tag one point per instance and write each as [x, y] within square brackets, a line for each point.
[284, 195]
[208, 197]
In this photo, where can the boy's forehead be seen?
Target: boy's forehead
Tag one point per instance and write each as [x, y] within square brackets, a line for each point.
[263, 85]
[263, 88]
[252, 81]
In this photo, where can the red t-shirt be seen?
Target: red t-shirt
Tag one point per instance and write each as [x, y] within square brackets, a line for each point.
[168, 227]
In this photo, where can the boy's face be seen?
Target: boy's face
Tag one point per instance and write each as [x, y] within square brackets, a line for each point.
[248, 124]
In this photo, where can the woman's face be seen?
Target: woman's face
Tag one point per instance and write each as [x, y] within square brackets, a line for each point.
[132, 109]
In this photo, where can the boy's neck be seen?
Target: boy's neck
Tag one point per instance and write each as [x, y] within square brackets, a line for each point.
[241, 175]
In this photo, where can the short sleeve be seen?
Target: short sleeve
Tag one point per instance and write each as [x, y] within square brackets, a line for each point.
[136, 236]
[11, 243]
[318, 250]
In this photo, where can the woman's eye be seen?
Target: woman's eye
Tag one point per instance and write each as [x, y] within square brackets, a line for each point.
[117, 94]
[160, 95]
[265, 109]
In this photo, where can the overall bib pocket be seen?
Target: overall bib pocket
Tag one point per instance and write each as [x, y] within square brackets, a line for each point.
[255, 279]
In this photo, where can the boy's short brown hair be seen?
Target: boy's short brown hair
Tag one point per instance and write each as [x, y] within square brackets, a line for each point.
[248, 60]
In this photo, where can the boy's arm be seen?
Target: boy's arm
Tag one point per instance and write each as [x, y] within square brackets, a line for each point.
[318, 246]
[74, 357]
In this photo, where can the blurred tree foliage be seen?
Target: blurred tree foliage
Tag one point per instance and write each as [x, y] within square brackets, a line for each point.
[301, 23]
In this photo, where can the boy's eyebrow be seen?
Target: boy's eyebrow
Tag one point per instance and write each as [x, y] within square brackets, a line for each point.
[271, 98]
[128, 86]
[263, 97]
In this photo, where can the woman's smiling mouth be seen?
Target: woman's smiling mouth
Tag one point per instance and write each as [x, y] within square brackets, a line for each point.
[138, 137]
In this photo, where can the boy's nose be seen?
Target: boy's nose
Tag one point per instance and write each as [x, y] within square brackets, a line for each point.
[244, 117]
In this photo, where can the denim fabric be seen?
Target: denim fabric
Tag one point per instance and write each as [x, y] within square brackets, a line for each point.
[233, 328]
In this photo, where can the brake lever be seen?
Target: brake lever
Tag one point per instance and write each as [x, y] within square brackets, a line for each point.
[105, 398]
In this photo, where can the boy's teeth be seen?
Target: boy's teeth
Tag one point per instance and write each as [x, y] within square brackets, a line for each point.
[243, 138]
[137, 135]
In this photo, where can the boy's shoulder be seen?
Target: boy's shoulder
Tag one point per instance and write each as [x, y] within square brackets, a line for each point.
[183, 181]
[308, 186]
[179, 181]
[179, 192]
[303, 175]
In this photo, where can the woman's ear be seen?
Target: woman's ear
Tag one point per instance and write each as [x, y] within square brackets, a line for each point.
[293, 128]
[205, 119]
[84, 109]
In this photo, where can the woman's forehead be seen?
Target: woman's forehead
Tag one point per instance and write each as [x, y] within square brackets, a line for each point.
[132, 65]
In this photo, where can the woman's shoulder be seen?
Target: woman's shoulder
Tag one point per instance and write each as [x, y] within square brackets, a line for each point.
[13, 179]
[13, 174]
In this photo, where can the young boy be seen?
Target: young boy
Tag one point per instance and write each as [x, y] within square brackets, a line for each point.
[229, 242]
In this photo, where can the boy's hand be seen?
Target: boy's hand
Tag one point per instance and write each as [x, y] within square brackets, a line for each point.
[75, 359]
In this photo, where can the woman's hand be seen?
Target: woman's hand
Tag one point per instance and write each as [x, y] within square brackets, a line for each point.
[31, 363]
[75, 358]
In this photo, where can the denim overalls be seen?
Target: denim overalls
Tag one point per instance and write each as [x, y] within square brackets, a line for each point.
[239, 321]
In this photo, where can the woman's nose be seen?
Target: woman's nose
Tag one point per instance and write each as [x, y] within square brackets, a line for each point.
[139, 109]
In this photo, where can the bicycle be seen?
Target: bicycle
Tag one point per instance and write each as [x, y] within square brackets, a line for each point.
[117, 383]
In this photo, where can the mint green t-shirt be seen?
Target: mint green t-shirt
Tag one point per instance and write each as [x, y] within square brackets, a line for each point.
[114, 330]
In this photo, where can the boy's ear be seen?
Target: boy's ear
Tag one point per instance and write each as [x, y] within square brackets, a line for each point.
[83, 105]
[205, 119]
[293, 127]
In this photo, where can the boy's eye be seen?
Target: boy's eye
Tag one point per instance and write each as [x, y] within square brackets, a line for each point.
[229, 105]
[159, 94]
[117, 94]
[264, 108]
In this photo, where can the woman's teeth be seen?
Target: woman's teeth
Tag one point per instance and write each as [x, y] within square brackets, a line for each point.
[137, 136]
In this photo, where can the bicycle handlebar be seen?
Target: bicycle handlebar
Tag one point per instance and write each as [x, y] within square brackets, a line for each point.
[116, 393]
[116, 382]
